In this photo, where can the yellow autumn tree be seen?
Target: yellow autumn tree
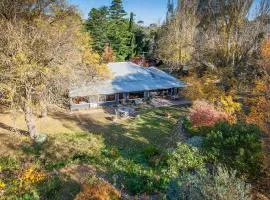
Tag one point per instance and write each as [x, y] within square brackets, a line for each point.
[44, 51]
[176, 42]
[266, 49]
[260, 102]
[207, 88]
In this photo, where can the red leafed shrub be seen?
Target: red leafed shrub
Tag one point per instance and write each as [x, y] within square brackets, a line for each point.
[204, 114]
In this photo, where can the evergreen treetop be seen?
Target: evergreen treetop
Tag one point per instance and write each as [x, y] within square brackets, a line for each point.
[116, 10]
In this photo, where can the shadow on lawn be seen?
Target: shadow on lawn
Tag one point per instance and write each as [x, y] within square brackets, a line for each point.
[12, 129]
[59, 187]
[152, 128]
[130, 138]
[113, 134]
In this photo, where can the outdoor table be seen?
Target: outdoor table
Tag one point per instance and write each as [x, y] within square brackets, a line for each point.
[174, 97]
[124, 111]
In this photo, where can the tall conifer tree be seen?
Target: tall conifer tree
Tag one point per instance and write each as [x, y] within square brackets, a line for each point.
[117, 11]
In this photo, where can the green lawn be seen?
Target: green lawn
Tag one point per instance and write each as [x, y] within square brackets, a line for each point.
[129, 154]
[151, 128]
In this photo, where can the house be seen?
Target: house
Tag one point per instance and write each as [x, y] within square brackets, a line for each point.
[129, 82]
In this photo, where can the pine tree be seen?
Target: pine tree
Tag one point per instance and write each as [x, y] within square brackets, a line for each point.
[116, 10]
[97, 25]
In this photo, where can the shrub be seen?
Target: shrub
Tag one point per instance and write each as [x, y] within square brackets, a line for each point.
[238, 146]
[31, 175]
[28, 179]
[136, 178]
[205, 114]
[203, 88]
[58, 187]
[184, 158]
[2, 186]
[219, 185]
[21, 183]
[230, 107]
[153, 155]
[98, 190]
[150, 151]
[8, 164]
[259, 105]
[196, 141]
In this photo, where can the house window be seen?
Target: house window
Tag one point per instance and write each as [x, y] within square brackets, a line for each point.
[110, 97]
[159, 93]
[80, 100]
[136, 95]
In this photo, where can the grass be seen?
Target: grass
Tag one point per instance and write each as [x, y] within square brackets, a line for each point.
[151, 128]
[128, 153]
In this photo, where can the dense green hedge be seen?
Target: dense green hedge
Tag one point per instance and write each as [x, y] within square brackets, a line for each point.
[220, 184]
[237, 146]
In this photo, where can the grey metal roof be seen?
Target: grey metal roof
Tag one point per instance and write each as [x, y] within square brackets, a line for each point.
[129, 77]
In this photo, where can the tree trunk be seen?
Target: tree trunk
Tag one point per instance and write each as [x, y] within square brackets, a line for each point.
[30, 122]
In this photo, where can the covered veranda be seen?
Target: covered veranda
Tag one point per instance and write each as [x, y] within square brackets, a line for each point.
[125, 98]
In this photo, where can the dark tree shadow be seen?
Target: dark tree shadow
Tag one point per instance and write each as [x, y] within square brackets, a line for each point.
[129, 139]
[151, 129]
[58, 188]
[12, 129]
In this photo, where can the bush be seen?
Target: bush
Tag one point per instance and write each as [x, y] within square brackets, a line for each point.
[230, 107]
[150, 151]
[136, 178]
[21, 182]
[196, 141]
[205, 114]
[58, 187]
[238, 146]
[8, 164]
[203, 88]
[184, 158]
[219, 185]
[98, 190]
[153, 155]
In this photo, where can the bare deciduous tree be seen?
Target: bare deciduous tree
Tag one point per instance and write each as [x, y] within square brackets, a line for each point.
[176, 43]
[231, 39]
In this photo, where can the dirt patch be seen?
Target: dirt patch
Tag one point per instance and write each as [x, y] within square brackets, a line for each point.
[79, 173]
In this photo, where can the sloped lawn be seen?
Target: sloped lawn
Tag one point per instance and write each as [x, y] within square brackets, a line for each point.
[128, 154]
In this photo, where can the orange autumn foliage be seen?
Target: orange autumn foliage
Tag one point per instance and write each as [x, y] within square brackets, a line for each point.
[259, 106]
[99, 190]
[266, 49]
[108, 54]
[260, 103]
[203, 88]
[29, 177]
[265, 62]
[206, 88]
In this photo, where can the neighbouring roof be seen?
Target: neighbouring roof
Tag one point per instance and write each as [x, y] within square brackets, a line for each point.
[129, 77]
